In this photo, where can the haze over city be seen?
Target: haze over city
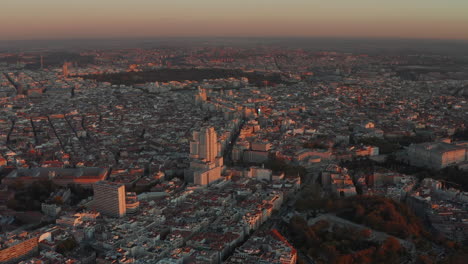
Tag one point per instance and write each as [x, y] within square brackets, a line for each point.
[56, 19]
[227, 132]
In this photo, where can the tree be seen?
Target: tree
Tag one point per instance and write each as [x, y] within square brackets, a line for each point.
[344, 259]
[424, 259]
[58, 200]
[461, 134]
[13, 204]
[365, 256]
[392, 244]
[67, 245]
[18, 185]
[390, 251]
[331, 252]
[365, 233]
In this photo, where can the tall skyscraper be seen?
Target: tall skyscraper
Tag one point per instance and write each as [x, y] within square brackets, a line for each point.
[65, 70]
[109, 198]
[205, 144]
[206, 164]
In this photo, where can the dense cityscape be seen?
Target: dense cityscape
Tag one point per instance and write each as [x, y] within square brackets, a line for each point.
[233, 154]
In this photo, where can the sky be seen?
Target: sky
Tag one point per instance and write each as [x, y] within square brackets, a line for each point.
[63, 19]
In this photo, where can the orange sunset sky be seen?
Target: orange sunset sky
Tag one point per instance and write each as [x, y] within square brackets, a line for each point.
[45, 19]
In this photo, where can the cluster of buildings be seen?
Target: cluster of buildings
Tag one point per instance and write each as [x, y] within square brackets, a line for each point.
[41, 246]
[438, 155]
[228, 83]
[443, 206]
[265, 247]
[201, 224]
[198, 223]
[84, 177]
[337, 180]
[14, 246]
[388, 184]
[218, 134]
[85, 126]
[7, 89]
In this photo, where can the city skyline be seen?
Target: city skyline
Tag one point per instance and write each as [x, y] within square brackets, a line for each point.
[227, 132]
[52, 19]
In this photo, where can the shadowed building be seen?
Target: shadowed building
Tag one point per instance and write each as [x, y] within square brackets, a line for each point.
[85, 177]
[436, 155]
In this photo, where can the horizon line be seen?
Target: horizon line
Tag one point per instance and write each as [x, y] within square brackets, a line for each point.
[239, 37]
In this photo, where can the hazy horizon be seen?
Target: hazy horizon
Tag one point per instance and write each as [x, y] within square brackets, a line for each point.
[352, 45]
[54, 19]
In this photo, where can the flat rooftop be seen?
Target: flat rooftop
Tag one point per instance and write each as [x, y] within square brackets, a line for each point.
[60, 173]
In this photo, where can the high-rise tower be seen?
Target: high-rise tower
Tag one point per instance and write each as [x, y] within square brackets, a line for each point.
[109, 198]
[65, 70]
[206, 160]
[205, 144]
